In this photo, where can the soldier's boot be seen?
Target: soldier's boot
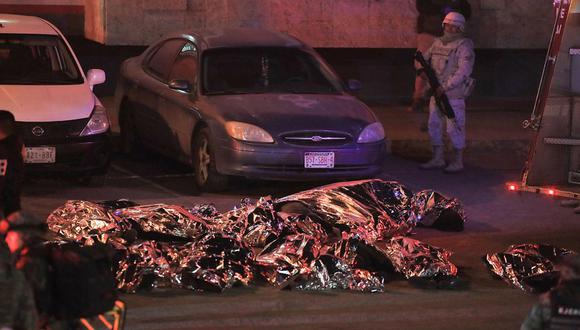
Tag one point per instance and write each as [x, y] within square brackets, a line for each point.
[456, 164]
[437, 161]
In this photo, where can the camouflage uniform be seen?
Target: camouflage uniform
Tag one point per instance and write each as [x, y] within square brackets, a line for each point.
[431, 14]
[558, 309]
[453, 64]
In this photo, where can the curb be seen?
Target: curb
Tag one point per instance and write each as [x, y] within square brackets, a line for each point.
[494, 154]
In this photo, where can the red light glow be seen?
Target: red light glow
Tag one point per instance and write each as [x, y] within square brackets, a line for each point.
[551, 192]
[512, 187]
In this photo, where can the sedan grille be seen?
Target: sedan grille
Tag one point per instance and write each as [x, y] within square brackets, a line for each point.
[322, 139]
[48, 130]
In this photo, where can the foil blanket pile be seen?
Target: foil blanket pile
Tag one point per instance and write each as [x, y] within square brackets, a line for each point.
[529, 267]
[348, 235]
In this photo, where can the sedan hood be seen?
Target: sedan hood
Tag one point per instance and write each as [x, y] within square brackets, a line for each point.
[279, 113]
[47, 103]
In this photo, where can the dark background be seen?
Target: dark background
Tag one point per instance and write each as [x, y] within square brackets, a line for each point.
[504, 76]
[387, 74]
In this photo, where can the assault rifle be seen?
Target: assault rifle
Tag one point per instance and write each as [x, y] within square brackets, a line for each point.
[442, 100]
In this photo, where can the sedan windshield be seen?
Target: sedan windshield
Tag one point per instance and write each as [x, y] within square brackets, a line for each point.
[36, 60]
[265, 70]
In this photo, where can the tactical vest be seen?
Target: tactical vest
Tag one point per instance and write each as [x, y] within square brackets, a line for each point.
[565, 314]
[445, 62]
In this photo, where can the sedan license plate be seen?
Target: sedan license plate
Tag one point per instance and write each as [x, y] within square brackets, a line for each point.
[319, 160]
[40, 155]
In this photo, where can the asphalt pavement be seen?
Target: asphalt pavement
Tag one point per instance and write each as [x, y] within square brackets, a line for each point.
[496, 219]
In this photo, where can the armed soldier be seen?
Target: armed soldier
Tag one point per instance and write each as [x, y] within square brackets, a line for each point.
[452, 58]
[429, 27]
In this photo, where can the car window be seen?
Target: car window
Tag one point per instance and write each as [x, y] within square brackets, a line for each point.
[36, 59]
[266, 70]
[185, 65]
[159, 64]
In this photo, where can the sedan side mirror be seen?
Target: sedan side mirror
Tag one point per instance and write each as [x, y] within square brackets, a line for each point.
[354, 85]
[180, 85]
[96, 77]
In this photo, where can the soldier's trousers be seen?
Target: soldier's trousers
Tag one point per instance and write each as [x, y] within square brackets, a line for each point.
[455, 128]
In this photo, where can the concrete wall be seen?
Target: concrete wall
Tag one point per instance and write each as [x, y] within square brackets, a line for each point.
[512, 23]
[43, 2]
[508, 77]
[67, 15]
[516, 24]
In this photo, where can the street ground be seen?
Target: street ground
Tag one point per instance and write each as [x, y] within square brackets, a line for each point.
[496, 219]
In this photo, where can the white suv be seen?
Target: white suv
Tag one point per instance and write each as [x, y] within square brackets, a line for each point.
[64, 126]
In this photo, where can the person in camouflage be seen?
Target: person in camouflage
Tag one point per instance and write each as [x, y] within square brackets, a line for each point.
[429, 27]
[559, 308]
[452, 57]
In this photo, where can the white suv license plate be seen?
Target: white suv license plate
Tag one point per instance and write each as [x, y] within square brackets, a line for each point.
[40, 155]
[319, 160]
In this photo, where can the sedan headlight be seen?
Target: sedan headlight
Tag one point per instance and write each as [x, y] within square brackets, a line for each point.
[372, 133]
[99, 122]
[248, 132]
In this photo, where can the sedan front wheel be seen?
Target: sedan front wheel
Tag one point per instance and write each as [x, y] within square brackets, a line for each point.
[205, 173]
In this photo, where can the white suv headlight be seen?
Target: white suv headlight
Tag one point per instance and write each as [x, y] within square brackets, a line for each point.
[248, 132]
[372, 133]
[99, 122]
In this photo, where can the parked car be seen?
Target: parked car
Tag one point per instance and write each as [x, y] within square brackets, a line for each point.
[64, 126]
[246, 102]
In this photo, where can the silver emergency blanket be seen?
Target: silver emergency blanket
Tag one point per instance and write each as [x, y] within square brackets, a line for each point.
[86, 222]
[213, 263]
[342, 236]
[373, 209]
[435, 210]
[529, 267]
[171, 220]
[410, 256]
[329, 272]
[288, 258]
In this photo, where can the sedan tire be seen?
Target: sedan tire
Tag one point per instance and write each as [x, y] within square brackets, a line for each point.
[203, 159]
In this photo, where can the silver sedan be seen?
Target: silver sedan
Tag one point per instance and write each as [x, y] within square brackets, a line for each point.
[249, 103]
